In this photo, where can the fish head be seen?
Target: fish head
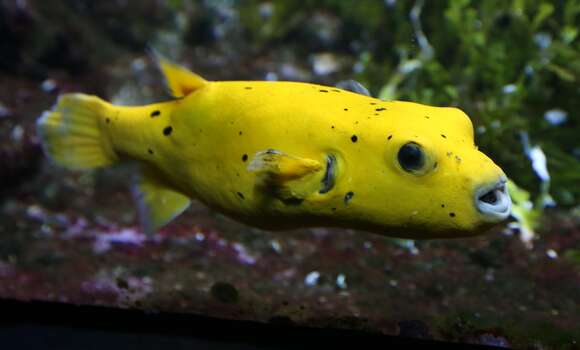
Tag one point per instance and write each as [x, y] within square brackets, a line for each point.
[433, 181]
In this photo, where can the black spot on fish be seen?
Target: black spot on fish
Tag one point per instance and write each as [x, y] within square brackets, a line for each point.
[346, 109]
[155, 114]
[442, 205]
[167, 131]
[443, 136]
[373, 103]
[435, 165]
[238, 174]
[452, 214]
[380, 109]
[245, 157]
[376, 114]
[322, 90]
[356, 122]
[240, 133]
[348, 196]
[150, 151]
[108, 120]
[390, 137]
[332, 126]
[427, 117]
[241, 195]
[248, 88]
[354, 138]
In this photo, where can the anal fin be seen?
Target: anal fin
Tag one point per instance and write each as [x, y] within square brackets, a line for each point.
[158, 203]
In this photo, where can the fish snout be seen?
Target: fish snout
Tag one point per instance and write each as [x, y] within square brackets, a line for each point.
[493, 201]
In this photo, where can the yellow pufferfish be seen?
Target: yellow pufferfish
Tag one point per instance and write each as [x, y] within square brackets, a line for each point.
[283, 155]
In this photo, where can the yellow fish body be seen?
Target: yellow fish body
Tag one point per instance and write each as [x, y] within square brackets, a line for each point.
[282, 155]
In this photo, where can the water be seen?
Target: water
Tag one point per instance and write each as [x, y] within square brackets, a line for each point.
[73, 237]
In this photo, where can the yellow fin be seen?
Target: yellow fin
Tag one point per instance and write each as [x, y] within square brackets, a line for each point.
[281, 175]
[282, 167]
[158, 203]
[72, 134]
[180, 80]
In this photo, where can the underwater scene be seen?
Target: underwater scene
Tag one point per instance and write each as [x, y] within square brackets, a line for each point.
[406, 168]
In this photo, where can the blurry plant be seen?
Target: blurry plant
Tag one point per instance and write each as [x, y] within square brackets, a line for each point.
[525, 212]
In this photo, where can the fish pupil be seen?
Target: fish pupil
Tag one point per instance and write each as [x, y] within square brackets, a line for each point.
[411, 157]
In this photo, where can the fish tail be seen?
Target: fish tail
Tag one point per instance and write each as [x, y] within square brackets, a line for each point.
[72, 133]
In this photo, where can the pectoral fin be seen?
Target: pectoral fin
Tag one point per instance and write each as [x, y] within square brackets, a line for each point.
[282, 167]
[280, 174]
[158, 203]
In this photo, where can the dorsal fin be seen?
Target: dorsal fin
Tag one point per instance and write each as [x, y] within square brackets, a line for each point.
[353, 86]
[180, 81]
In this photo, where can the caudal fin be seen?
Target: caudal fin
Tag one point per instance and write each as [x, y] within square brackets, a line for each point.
[72, 132]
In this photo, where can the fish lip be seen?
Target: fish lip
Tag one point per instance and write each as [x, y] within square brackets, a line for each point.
[329, 179]
[501, 208]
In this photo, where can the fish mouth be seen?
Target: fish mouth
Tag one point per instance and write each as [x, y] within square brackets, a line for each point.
[329, 179]
[493, 201]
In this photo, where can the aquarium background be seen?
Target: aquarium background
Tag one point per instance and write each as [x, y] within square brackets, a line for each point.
[513, 66]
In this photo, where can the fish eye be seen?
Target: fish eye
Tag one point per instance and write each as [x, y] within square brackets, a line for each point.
[411, 158]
